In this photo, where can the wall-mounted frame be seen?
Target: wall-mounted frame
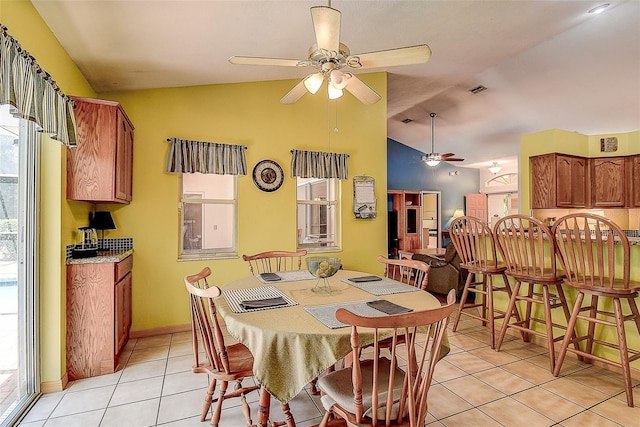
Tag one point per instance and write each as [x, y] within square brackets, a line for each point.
[364, 197]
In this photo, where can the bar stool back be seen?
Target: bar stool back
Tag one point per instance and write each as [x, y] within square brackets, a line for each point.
[528, 250]
[595, 255]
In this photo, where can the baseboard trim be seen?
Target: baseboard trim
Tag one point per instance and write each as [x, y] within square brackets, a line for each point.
[145, 333]
[55, 386]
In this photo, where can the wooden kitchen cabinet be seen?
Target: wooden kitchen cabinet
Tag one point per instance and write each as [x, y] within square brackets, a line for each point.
[100, 167]
[608, 187]
[559, 181]
[98, 316]
[634, 181]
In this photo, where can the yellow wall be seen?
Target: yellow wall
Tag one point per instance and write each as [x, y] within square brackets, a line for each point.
[60, 218]
[248, 114]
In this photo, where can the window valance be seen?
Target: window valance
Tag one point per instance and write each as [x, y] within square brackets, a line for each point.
[32, 92]
[317, 164]
[206, 157]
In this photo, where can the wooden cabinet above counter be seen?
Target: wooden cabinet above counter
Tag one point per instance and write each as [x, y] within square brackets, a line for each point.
[567, 181]
[100, 168]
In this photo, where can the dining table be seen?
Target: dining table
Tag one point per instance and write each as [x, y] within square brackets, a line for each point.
[294, 342]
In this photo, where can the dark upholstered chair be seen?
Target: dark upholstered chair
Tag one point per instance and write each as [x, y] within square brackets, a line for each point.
[445, 271]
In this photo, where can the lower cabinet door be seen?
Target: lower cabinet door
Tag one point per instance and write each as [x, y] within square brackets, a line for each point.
[122, 312]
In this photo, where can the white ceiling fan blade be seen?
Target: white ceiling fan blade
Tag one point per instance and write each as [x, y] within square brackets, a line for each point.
[326, 25]
[294, 94]
[249, 60]
[392, 57]
[360, 90]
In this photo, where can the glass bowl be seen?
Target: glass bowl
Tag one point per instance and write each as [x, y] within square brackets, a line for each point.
[323, 266]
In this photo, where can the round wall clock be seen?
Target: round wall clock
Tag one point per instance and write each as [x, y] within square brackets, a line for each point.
[268, 175]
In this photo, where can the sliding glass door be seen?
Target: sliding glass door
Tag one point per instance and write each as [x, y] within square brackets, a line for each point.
[19, 167]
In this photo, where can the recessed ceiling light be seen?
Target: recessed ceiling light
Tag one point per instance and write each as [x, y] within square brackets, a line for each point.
[599, 9]
[407, 121]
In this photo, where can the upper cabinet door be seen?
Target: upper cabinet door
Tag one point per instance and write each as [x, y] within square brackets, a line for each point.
[124, 158]
[100, 167]
[543, 181]
[635, 181]
[608, 182]
[571, 181]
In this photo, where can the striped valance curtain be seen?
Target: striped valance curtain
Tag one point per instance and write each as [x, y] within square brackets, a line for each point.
[206, 157]
[317, 164]
[33, 93]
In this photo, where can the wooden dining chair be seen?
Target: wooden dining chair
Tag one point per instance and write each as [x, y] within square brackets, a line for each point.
[595, 255]
[528, 251]
[224, 363]
[475, 244]
[274, 261]
[411, 272]
[377, 391]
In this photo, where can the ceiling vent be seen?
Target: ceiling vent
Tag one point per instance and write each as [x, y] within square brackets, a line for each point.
[478, 89]
[405, 121]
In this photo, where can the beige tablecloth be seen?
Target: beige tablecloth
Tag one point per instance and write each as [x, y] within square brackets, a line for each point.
[290, 347]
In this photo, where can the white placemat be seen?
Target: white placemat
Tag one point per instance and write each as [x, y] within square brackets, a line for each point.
[289, 276]
[326, 314]
[382, 287]
[235, 296]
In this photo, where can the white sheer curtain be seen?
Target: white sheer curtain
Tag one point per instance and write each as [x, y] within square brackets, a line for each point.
[206, 157]
[32, 92]
[318, 164]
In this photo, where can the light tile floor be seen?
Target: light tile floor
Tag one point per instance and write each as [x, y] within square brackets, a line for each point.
[473, 386]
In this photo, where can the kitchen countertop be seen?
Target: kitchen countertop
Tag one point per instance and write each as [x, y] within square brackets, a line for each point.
[103, 256]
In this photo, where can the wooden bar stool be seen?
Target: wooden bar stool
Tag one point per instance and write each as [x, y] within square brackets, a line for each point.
[595, 255]
[521, 241]
[476, 247]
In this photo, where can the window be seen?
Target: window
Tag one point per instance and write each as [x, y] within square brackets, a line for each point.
[208, 206]
[318, 214]
[502, 180]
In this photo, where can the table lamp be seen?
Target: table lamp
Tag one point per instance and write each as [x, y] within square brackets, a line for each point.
[102, 220]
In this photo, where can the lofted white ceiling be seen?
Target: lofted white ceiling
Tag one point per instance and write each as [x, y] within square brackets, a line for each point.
[546, 64]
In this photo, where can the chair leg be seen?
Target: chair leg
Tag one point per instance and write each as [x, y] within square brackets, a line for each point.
[529, 306]
[593, 310]
[491, 314]
[624, 350]
[568, 336]
[567, 315]
[549, 327]
[463, 300]
[222, 390]
[508, 313]
[515, 313]
[485, 314]
[207, 400]
[246, 411]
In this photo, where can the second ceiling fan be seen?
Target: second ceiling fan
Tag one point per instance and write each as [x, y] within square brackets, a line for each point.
[433, 158]
[330, 57]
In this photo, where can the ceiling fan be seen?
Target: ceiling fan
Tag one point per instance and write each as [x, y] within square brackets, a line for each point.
[329, 57]
[433, 158]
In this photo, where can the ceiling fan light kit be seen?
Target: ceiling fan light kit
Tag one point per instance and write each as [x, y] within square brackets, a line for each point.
[328, 56]
[433, 158]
